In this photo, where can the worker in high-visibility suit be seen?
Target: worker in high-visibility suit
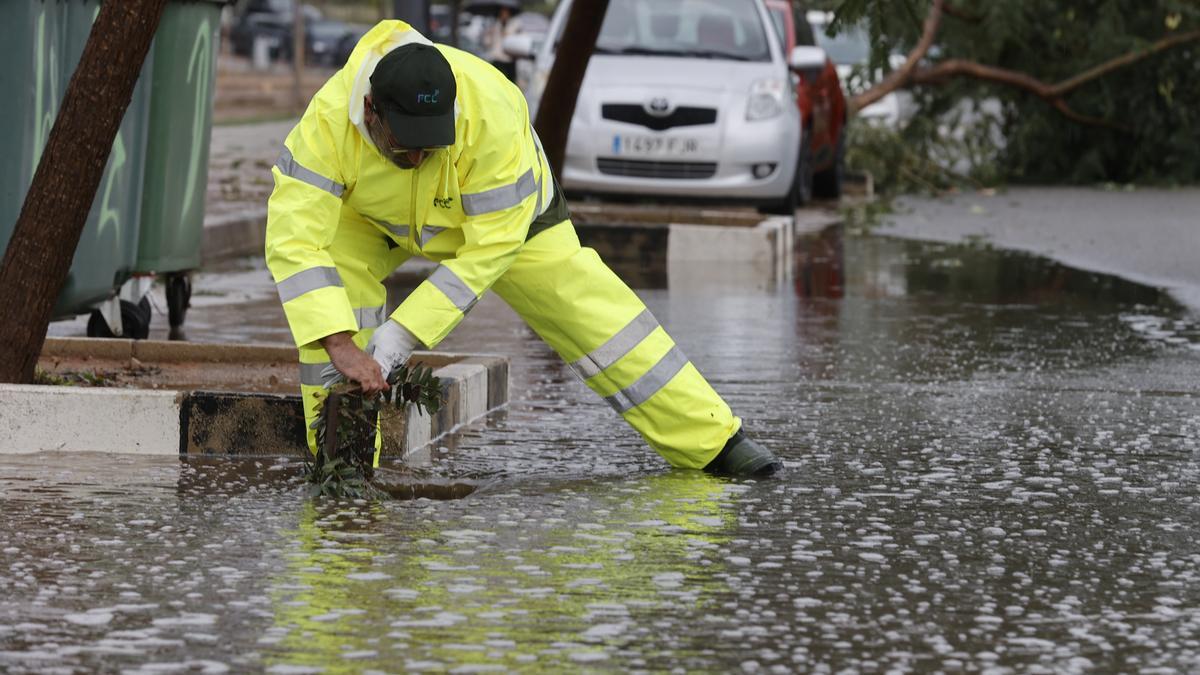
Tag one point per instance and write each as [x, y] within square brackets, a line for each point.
[416, 149]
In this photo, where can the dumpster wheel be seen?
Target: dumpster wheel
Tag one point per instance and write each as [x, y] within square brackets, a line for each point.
[135, 321]
[179, 298]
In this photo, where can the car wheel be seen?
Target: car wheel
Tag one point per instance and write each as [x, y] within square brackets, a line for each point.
[804, 171]
[827, 184]
[801, 190]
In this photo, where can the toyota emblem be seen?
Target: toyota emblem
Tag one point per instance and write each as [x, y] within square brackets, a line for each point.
[659, 107]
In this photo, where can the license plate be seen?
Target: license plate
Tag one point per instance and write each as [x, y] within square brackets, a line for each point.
[655, 146]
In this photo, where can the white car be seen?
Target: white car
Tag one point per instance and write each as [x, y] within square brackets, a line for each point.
[682, 98]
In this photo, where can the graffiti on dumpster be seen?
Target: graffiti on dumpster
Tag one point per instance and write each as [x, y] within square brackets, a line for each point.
[47, 99]
[116, 161]
[200, 76]
[111, 216]
[46, 94]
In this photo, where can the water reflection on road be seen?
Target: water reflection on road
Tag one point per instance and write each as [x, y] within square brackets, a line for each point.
[992, 465]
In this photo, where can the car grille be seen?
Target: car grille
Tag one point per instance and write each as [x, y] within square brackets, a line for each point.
[638, 168]
[682, 116]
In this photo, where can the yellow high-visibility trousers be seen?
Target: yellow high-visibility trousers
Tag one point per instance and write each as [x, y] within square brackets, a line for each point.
[600, 327]
[363, 260]
[579, 307]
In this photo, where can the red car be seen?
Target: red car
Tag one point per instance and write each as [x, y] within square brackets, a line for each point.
[822, 104]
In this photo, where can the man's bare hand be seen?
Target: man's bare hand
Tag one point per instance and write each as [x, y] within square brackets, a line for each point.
[354, 363]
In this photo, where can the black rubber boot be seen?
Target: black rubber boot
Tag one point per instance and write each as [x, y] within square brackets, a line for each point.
[743, 457]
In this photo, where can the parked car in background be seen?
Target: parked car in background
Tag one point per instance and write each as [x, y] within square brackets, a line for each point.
[322, 38]
[441, 30]
[341, 53]
[531, 23]
[272, 21]
[850, 51]
[821, 101]
[268, 21]
[684, 98]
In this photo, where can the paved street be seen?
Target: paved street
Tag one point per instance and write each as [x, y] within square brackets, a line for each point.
[986, 406]
[991, 466]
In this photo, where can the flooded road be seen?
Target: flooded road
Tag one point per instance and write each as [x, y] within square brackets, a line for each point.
[992, 465]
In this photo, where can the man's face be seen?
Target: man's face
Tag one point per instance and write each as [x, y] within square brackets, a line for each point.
[381, 136]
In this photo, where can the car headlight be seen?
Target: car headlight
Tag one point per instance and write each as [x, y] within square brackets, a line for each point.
[766, 99]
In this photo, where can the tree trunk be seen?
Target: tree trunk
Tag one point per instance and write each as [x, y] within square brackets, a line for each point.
[562, 88]
[38, 257]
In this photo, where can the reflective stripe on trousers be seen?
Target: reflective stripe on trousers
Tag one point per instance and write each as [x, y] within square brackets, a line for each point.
[362, 259]
[605, 333]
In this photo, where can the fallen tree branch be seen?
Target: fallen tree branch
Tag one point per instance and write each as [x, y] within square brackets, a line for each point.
[955, 67]
[1012, 78]
[1054, 94]
[962, 14]
[899, 77]
[1123, 60]
[1070, 114]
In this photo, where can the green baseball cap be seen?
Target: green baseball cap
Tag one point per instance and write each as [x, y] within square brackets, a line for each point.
[414, 89]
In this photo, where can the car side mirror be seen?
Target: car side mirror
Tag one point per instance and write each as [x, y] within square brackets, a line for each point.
[519, 46]
[807, 58]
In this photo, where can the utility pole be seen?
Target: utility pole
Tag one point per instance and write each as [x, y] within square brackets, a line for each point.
[455, 10]
[298, 42]
[562, 87]
[413, 12]
[44, 239]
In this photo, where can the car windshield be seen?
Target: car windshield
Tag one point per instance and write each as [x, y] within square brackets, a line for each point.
[714, 29]
[779, 21]
[847, 48]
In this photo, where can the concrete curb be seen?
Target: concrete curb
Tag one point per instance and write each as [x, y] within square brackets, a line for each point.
[708, 254]
[174, 421]
[36, 418]
[235, 423]
[234, 235]
[754, 251]
[162, 351]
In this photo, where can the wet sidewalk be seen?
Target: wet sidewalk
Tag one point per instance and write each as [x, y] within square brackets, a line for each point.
[1147, 235]
[239, 183]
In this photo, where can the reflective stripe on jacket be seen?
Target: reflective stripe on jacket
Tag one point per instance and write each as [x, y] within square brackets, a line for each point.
[468, 206]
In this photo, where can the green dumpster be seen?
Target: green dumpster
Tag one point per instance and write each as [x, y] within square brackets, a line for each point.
[175, 185]
[44, 41]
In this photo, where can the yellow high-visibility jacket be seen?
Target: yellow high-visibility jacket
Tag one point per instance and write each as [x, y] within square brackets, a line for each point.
[469, 206]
